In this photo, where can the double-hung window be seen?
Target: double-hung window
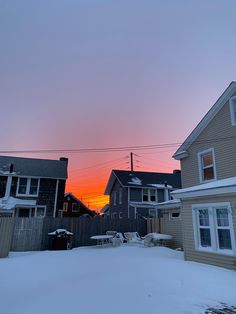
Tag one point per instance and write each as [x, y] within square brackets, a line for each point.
[149, 195]
[213, 228]
[206, 164]
[28, 186]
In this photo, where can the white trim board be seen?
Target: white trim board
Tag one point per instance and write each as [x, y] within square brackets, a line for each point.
[228, 93]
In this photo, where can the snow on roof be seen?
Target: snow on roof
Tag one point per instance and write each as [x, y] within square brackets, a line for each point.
[135, 180]
[217, 186]
[161, 186]
[175, 203]
[9, 203]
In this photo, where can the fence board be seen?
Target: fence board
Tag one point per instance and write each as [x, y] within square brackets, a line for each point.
[6, 232]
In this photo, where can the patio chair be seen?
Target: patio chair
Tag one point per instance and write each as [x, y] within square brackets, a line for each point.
[148, 240]
[112, 233]
[132, 237]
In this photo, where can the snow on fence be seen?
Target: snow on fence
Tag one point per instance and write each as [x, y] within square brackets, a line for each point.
[31, 234]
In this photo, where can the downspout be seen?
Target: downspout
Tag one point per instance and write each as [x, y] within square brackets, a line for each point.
[55, 201]
[128, 200]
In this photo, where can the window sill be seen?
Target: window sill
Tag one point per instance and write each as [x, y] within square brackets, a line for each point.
[218, 252]
[27, 195]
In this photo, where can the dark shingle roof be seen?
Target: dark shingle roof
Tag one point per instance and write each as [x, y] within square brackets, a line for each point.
[44, 168]
[143, 179]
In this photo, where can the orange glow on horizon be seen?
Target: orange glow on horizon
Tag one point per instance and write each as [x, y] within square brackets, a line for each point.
[89, 183]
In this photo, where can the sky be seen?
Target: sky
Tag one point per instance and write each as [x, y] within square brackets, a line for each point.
[107, 73]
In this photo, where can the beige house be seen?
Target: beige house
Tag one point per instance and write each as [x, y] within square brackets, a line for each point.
[208, 194]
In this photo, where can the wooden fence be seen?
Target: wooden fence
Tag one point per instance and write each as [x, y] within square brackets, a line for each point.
[31, 234]
[6, 230]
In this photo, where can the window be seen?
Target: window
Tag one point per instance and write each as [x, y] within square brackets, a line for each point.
[120, 215]
[145, 195]
[114, 215]
[31, 212]
[114, 198]
[28, 186]
[213, 228]
[206, 163]
[75, 207]
[175, 215]
[149, 195]
[65, 207]
[232, 103]
[120, 196]
[40, 212]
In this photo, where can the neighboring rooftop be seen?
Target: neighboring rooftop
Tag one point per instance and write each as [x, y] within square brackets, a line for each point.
[144, 179]
[32, 167]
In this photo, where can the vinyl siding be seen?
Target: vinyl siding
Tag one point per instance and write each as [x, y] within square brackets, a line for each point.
[119, 208]
[172, 227]
[188, 234]
[225, 151]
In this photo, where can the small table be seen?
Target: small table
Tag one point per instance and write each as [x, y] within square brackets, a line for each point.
[160, 238]
[102, 239]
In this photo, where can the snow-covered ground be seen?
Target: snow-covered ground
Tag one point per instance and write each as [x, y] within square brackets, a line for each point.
[119, 280]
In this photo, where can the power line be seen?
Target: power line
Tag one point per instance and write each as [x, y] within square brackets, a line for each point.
[114, 149]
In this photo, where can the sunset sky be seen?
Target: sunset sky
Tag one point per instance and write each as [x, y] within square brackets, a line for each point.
[110, 73]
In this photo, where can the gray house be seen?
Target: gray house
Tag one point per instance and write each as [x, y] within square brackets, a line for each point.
[208, 197]
[135, 193]
[32, 187]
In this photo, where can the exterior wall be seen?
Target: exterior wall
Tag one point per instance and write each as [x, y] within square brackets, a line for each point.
[46, 196]
[188, 234]
[225, 151]
[172, 227]
[135, 194]
[60, 194]
[119, 208]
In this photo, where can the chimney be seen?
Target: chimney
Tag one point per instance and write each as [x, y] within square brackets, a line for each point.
[64, 159]
[175, 171]
[11, 168]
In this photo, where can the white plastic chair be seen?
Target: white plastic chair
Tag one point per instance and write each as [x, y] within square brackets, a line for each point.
[132, 237]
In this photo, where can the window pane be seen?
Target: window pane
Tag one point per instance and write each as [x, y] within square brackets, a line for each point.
[22, 185]
[208, 173]
[34, 186]
[153, 195]
[145, 195]
[222, 217]
[203, 217]
[40, 211]
[207, 160]
[224, 239]
[175, 215]
[23, 212]
[205, 237]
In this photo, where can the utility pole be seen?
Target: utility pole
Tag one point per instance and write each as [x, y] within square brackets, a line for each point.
[131, 161]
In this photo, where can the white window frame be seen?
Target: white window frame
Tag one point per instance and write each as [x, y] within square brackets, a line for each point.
[200, 164]
[28, 184]
[211, 207]
[149, 195]
[65, 207]
[232, 103]
[75, 210]
[36, 209]
[32, 209]
[120, 196]
[174, 218]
